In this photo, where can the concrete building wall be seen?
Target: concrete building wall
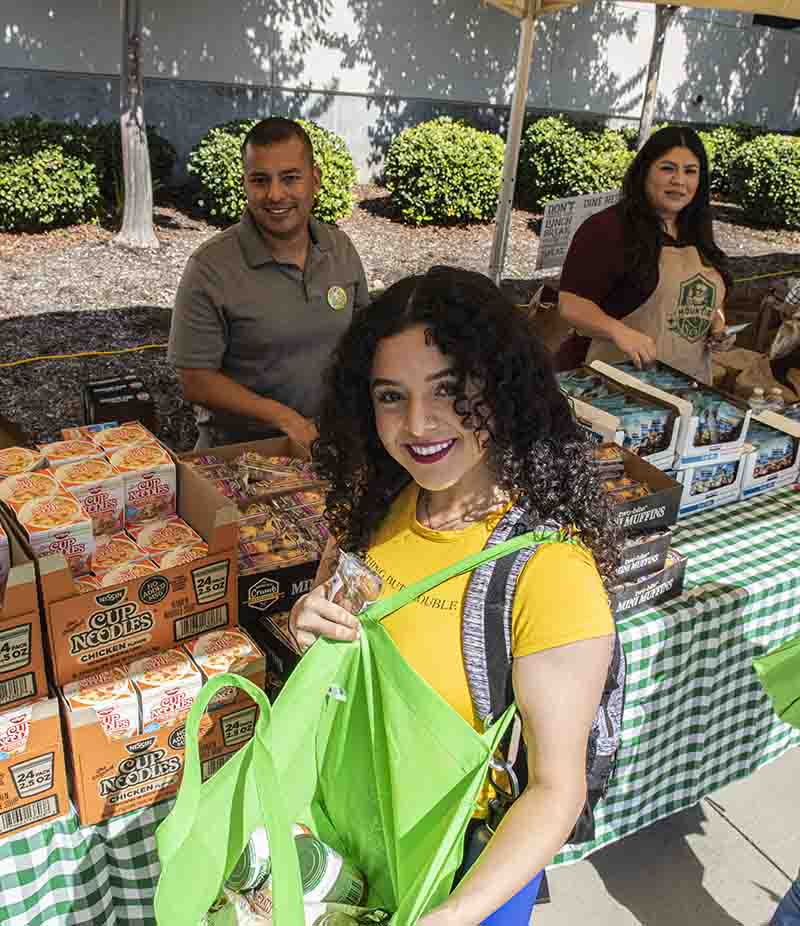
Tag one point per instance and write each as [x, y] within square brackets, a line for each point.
[368, 68]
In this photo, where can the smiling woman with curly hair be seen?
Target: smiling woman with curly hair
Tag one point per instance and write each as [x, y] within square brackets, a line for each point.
[441, 413]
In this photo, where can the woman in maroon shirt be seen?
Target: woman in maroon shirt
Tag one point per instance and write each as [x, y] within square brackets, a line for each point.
[645, 279]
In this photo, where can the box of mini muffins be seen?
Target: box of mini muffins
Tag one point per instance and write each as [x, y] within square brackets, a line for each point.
[125, 724]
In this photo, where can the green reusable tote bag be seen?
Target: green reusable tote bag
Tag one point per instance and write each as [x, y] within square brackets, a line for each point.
[779, 674]
[359, 748]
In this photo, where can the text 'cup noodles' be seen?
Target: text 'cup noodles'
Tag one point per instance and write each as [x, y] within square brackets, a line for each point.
[59, 525]
[100, 489]
[150, 482]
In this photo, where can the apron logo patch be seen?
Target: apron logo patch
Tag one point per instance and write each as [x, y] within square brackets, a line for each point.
[691, 317]
[337, 298]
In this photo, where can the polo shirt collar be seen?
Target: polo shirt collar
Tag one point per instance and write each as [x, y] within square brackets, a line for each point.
[255, 249]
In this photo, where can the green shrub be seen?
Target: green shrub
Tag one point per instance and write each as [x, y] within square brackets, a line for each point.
[46, 189]
[765, 180]
[98, 144]
[444, 171]
[217, 164]
[559, 159]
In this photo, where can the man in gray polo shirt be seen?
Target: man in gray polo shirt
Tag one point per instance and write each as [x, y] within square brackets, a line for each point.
[261, 305]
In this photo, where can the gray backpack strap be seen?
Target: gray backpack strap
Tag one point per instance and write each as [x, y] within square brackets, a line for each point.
[486, 621]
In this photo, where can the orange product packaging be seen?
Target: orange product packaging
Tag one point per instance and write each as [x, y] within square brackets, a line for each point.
[5, 560]
[59, 525]
[22, 666]
[111, 439]
[181, 555]
[150, 482]
[126, 731]
[86, 583]
[115, 550]
[160, 537]
[33, 777]
[16, 460]
[223, 651]
[17, 491]
[70, 451]
[142, 608]
[100, 489]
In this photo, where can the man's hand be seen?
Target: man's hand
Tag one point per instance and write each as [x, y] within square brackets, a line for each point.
[641, 348]
[299, 429]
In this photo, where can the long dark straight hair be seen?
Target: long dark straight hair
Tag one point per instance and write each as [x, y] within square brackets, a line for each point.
[644, 234]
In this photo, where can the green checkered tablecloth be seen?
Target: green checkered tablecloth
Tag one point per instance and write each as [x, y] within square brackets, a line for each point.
[695, 720]
[696, 717]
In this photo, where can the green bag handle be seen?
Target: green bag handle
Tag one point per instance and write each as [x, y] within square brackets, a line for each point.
[385, 606]
[287, 890]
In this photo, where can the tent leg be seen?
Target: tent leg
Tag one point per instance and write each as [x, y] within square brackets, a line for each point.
[505, 202]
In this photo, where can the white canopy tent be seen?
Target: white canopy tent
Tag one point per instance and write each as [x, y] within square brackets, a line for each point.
[528, 11]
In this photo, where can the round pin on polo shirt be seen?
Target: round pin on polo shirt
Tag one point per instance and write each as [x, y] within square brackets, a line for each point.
[337, 298]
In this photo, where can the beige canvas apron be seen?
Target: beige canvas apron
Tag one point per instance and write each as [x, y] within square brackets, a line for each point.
[677, 315]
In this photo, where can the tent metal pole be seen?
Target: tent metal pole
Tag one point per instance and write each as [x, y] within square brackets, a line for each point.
[517, 118]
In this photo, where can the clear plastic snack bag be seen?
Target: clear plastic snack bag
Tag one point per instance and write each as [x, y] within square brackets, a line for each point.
[354, 586]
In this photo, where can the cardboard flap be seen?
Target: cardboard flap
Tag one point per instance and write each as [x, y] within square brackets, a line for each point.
[684, 407]
[605, 423]
[779, 422]
[21, 596]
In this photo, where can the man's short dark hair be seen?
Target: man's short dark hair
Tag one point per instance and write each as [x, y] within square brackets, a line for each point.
[277, 129]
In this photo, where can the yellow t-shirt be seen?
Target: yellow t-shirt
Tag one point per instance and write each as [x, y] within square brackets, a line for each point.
[559, 599]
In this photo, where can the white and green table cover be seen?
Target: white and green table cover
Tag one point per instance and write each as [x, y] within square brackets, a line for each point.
[695, 720]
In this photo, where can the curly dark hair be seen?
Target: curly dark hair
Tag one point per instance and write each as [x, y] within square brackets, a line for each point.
[644, 234]
[535, 449]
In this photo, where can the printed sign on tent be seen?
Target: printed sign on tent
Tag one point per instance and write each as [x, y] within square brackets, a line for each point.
[562, 218]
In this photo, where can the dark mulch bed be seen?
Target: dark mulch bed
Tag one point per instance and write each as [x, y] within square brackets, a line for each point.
[45, 396]
[72, 290]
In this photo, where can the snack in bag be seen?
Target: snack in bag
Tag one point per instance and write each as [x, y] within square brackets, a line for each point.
[354, 586]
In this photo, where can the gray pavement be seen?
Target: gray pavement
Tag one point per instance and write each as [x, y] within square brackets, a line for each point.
[725, 862]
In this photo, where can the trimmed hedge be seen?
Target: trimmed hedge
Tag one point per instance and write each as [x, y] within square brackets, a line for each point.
[216, 162]
[558, 158]
[765, 180]
[46, 189]
[444, 171]
[92, 161]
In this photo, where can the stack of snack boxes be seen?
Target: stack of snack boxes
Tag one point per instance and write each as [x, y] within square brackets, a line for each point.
[646, 501]
[138, 617]
[33, 782]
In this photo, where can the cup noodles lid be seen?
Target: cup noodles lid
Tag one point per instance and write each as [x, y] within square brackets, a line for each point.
[222, 651]
[65, 451]
[85, 472]
[161, 536]
[99, 689]
[15, 460]
[115, 550]
[181, 556]
[126, 434]
[17, 490]
[171, 667]
[127, 573]
[168, 683]
[49, 514]
[15, 726]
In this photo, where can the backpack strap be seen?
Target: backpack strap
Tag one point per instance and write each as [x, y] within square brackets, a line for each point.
[488, 605]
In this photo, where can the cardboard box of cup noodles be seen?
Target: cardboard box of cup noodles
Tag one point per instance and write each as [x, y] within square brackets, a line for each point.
[100, 489]
[22, 663]
[123, 435]
[140, 616]
[150, 481]
[126, 724]
[70, 451]
[33, 778]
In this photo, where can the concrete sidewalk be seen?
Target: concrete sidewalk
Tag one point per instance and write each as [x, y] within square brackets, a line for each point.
[725, 862]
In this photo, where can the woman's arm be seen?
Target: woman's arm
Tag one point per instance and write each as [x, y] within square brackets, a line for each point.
[557, 692]
[592, 321]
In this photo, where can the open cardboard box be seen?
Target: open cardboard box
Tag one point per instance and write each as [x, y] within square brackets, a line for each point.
[649, 590]
[687, 451]
[608, 427]
[112, 625]
[753, 484]
[658, 509]
[22, 664]
[33, 776]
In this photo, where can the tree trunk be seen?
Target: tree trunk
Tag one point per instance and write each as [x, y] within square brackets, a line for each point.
[663, 15]
[137, 221]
